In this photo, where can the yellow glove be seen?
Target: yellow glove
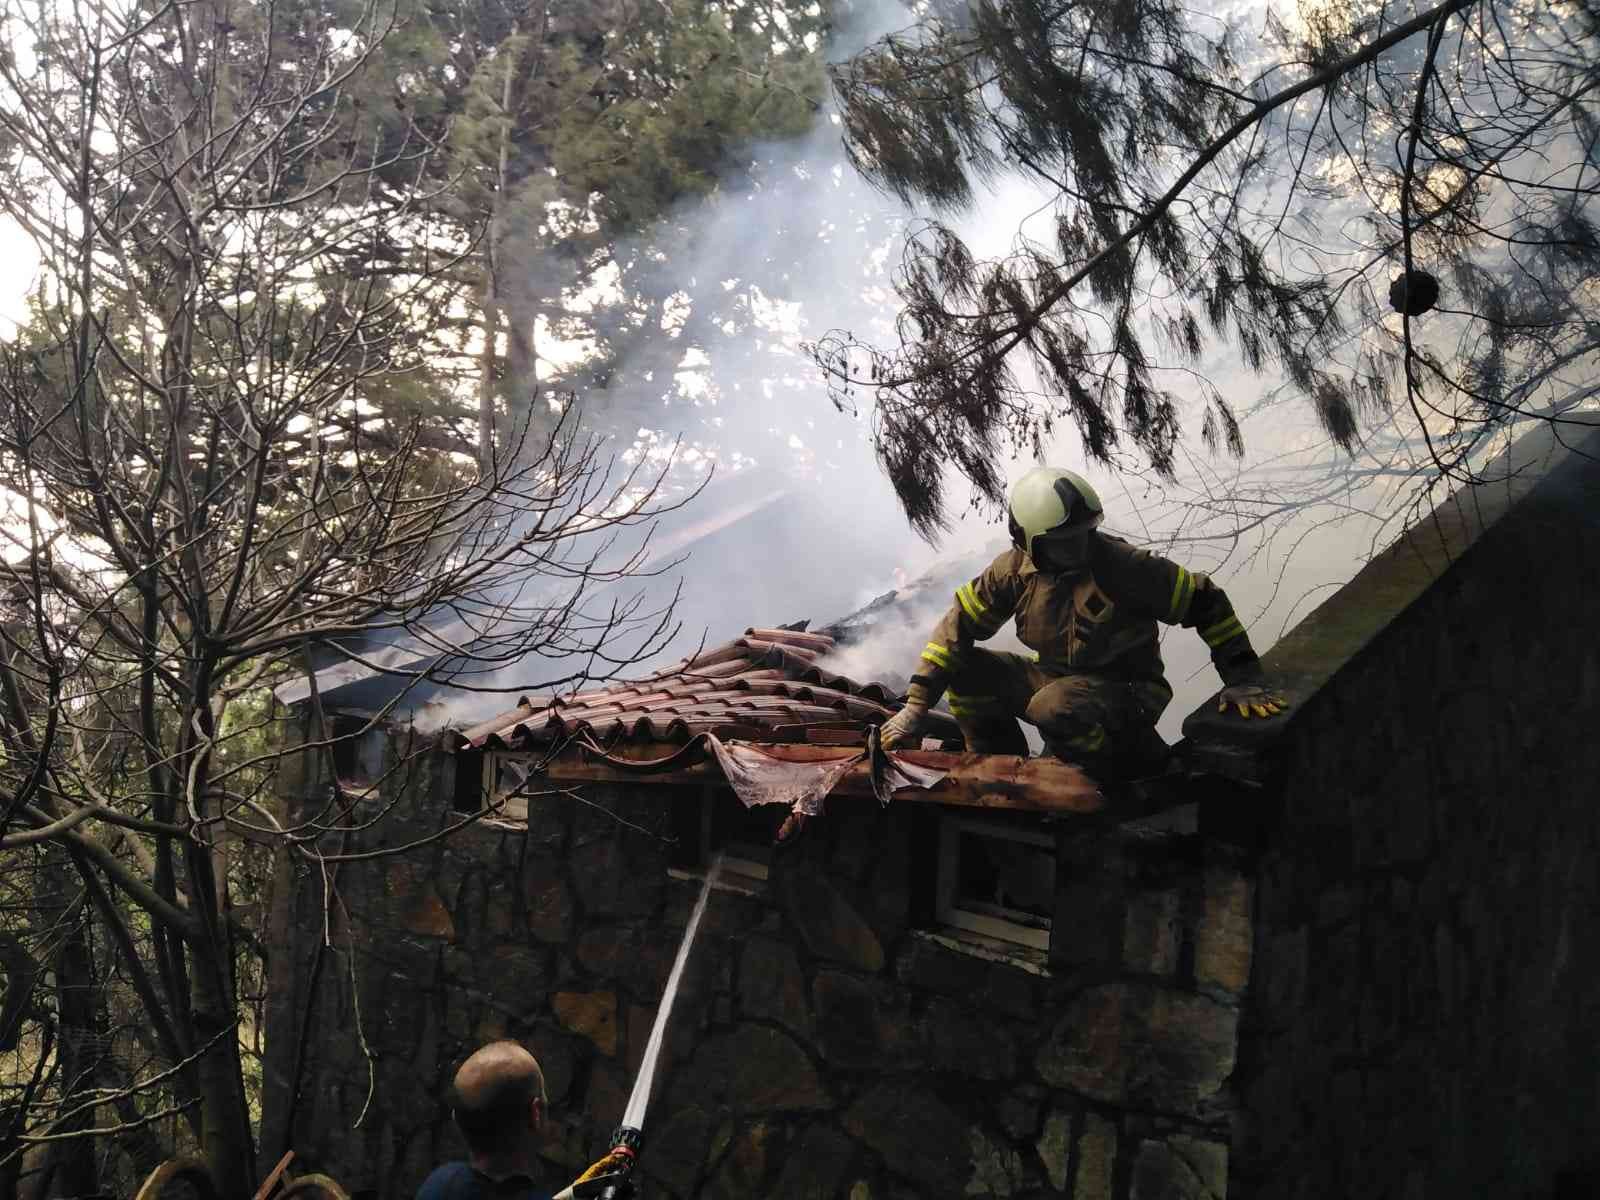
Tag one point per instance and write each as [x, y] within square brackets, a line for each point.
[605, 1166]
[611, 1172]
[1252, 699]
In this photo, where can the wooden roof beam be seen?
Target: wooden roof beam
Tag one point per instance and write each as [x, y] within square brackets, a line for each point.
[992, 781]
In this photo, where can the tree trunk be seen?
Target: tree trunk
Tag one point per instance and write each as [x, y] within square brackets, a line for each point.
[71, 1165]
[225, 1120]
[486, 374]
[530, 420]
[488, 381]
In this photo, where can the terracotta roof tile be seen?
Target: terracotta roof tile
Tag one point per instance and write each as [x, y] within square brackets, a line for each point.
[765, 686]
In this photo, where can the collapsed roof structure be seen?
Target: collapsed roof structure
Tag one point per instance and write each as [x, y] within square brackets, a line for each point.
[759, 713]
[769, 684]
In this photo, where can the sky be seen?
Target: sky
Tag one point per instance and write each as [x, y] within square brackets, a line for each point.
[18, 269]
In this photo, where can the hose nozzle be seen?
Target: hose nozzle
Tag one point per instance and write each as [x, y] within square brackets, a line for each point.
[625, 1143]
[608, 1178]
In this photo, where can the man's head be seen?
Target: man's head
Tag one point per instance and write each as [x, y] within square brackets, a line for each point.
[1052, 512]
[498, 1099]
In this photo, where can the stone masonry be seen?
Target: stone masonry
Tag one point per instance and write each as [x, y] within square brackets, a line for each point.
[1373, 973]
[824, 1044]
[1423, 1018]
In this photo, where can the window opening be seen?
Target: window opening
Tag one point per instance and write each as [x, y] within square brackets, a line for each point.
[504, 776]
[743, 836]
[469, 781]
[357, 755]
[711, 821]
[997, 880]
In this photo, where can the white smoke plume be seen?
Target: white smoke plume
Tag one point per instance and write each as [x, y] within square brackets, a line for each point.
[803, 526]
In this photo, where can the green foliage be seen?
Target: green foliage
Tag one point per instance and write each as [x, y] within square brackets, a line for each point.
[572, 127]
[1186, 188]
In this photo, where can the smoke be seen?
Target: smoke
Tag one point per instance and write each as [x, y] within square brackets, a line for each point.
[799, 523]
[793, 520]
[1296, 518]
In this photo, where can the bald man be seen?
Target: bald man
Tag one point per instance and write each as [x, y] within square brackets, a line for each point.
[499, 1104]
[498, 1101]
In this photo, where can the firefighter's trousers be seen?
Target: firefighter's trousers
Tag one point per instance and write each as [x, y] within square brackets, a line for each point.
[1084, 718]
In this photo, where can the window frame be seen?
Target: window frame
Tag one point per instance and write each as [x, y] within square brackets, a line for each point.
[356, 748]
[702, 835]
[948, 913]
[501, 805]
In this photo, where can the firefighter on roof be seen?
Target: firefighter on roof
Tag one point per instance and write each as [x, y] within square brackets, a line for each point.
[1087, 603]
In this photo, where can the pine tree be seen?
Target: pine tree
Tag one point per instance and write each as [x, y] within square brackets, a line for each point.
[1197, 195]
[573, 128]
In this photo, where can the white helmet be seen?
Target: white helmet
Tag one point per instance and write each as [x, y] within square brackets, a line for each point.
[1050, 500]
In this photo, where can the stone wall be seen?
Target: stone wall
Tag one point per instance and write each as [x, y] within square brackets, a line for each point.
[1414, 922]
[1423, 1019]
[824, 1044]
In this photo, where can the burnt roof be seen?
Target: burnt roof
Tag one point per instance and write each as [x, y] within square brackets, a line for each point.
[764, 686]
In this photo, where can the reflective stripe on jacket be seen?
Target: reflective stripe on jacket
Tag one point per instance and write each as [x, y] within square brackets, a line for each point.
[1102, 622]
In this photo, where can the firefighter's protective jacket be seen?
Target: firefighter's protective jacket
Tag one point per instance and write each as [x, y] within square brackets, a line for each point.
[1102, 622]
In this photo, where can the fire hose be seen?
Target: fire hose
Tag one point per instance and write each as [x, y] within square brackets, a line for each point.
[609, 1178]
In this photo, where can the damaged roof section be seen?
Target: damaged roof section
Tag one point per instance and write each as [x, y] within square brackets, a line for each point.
[767, 686]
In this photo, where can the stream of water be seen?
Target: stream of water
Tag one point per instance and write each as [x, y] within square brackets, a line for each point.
[633, 1117]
